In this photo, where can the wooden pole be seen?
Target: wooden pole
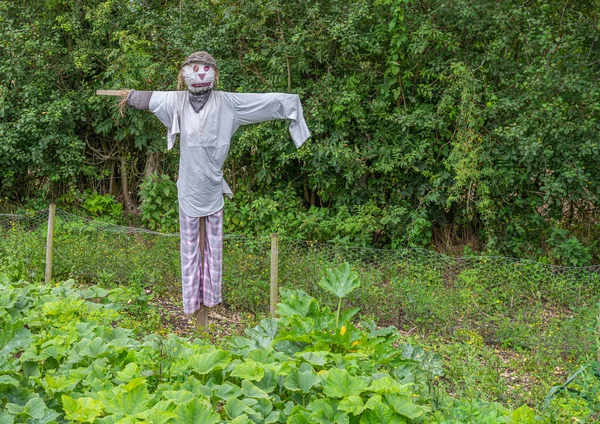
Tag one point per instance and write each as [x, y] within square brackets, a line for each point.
[50, 243]
[274, 272]
[110, 92]
[202, 317]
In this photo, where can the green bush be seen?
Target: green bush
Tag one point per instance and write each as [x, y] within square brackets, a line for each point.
[160, 210]
[104, 207]
[566, 249]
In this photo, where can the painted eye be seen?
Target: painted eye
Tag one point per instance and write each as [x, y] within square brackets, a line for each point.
[206, 68]
[195, 68]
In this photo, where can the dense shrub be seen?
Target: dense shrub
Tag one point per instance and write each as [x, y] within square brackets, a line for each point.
[430, 121]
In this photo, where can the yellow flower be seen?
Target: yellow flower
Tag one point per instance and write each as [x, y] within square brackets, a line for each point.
[355, 342]
[343, 330]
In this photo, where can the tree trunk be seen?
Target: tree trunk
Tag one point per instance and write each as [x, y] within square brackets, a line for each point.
[129, 203]
[111, 182]
[152, 164]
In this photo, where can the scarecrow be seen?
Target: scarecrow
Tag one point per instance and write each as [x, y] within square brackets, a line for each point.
[205, 120]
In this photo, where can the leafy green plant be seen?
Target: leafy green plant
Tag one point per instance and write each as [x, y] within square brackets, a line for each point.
[340, 282]
[578, 397]
[159, 203]
[102, 206]
[567, 249]
[72, 363]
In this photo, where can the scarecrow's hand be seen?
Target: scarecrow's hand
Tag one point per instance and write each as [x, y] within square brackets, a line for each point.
[138, 99]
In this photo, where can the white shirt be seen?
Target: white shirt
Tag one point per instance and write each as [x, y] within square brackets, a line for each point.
[205, 137]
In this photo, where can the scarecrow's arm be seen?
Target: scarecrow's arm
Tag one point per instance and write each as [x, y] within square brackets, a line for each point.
[250, 108]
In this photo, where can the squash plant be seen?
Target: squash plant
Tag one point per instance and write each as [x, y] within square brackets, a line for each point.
[63, 357]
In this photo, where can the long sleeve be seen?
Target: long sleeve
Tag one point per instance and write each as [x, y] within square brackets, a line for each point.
[250, 108]
[166, 106]
[139, 99]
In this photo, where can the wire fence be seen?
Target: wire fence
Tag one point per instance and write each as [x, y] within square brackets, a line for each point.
[409, 288]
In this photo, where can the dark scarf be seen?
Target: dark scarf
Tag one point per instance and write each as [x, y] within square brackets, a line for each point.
[199, 100]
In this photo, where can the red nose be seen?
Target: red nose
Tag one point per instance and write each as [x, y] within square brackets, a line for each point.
[202, 76]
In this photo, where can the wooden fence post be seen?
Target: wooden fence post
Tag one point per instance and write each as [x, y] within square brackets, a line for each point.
[50, 243]
[274, 272]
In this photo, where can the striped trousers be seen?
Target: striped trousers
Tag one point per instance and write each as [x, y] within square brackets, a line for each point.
[201, 279]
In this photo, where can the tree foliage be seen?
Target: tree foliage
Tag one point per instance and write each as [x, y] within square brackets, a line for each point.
[428, 118]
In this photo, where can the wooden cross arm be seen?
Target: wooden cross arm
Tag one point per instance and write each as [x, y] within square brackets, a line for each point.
[121, 93]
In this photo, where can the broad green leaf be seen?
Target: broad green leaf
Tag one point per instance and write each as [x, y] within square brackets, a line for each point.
[250, 390]
[21, 338]
[294, 302]
[94, 349]
[6, 380]
[263, 406]
[206, 362]
[122, 343]
[299, 418]
[340, 281]
[160, 413]
[273, 417]
[381, 414]
[340, 383]
[132, 401]
[6, 418]
[193, 385]
[341, 417]
[347, 315]
[251, 402]
[196, 412]
[36, 408]
[404, 405]
[523, 415]
[269, 381]
[323, 412]
[131, 371]
[8, 298]
[235, 407]
[373, 401]
[242, 419]
[125, 420]
[14, 409]
[59, 382]
[31, 369]
[352, 404]
[322, 405]
[388, 385]
[83, 409]
[314, 358]
[264, 333]
[158, 417]
[228, 390]
[301, 380]
[94, 292]
[321, 417]
[53, 351]
[178, 396]
[260, 355]
[249, 370]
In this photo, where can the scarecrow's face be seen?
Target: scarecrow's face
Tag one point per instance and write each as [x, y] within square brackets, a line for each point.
[198, 77]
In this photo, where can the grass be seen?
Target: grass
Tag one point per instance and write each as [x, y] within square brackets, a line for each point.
[508, 330]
